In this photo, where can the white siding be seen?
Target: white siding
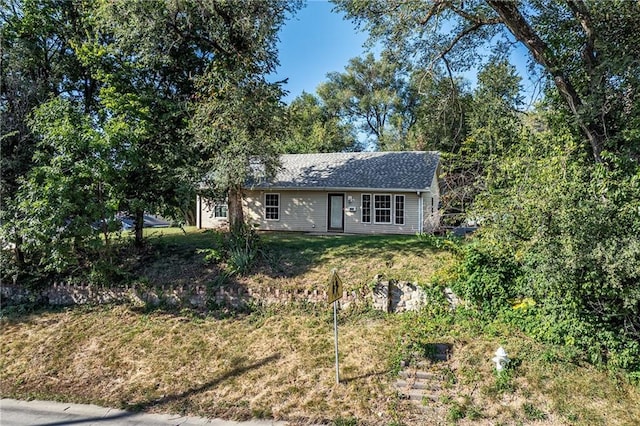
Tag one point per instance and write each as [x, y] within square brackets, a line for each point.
[307, 211]
[432, 215]
[205, 217]
[299, 211]
[353, 220]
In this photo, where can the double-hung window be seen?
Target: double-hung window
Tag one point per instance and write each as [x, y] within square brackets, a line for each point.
[399, 210]
[272, 206]
[220, 210]
[382, 208]
[366, 208]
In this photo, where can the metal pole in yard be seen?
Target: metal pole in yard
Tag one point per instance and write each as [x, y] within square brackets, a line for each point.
[335, 334]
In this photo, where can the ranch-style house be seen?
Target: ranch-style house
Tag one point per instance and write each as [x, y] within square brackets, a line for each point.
[351, 192]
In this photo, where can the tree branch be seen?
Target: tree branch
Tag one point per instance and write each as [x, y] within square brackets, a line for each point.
[581, 13]
[435, 9]
[519, 27]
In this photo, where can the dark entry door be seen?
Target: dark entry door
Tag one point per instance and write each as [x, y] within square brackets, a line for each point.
[336, 212]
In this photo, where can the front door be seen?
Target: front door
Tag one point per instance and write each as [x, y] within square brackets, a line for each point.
[336, 212]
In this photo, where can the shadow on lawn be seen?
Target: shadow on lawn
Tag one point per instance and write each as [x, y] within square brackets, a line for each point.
[347, 380]
[288, 255]
[133, 409]
[202, 388]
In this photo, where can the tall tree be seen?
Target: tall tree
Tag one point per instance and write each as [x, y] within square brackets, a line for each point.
[313, 128]
[369, 93]
[440, 112]
[37, 62]
[238, 114]
[69, 192]
[237, 126]
[146, 54]
[587, 50]
[494, 124]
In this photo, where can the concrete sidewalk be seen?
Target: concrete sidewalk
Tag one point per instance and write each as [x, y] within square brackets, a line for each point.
[45, 413]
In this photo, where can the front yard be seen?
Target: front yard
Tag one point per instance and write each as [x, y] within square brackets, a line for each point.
[277, 361]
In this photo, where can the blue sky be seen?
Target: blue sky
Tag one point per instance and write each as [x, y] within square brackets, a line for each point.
[313, 43]
[317, 41]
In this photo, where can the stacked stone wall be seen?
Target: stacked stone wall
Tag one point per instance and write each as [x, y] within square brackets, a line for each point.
[386, 295]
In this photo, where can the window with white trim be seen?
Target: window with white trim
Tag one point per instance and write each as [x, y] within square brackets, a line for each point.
[399, 210]
[272, 206]
[366, 208]
[220, 210]
[382, 208]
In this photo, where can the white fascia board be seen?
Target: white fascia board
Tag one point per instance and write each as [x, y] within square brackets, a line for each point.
[333, 189]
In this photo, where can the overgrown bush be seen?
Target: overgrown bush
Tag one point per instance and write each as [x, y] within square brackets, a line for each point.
[563, 234]
[487, 277]
[238, 249]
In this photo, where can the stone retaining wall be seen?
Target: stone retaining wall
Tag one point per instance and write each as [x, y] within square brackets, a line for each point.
[389, 296]
[397, 296]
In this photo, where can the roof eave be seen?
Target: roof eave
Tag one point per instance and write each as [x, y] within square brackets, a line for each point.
[335, 189]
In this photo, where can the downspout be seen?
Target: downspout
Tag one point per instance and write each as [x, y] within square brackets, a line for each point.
[420, 213]
[198, 212]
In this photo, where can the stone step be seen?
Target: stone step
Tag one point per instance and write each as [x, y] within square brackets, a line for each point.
[418, 384]
[418, 396]
[439, 356]
[415, 395]
[424, 375]
[424, 365]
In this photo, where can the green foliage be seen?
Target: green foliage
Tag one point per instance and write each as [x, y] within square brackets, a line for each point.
[37, 64]
[238, 250]
[372, 95]
[487, 277]
[123, 80]
[464, 409]
[563, 234]
[531, 412]
[587, 52]
[449, 242]
[240, 261]
[243, 246]
[67, 195]
[503, 383]
[345, 421]
[313, 128]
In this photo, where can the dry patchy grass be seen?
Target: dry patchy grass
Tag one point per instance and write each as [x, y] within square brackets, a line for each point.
[544, 384]
[277, 364]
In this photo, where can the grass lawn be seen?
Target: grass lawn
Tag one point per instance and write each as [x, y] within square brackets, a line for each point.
[277, 362]
[298, 261]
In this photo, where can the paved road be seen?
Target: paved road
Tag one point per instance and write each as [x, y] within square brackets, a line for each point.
[44, 413]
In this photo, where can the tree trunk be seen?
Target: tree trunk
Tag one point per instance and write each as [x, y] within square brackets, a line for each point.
[517, 24]
[139, 224]
[18, 253]
[236, 214]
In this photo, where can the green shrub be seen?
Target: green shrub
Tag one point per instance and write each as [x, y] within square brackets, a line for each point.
[487, 278]
[563, 234]
[240, 261]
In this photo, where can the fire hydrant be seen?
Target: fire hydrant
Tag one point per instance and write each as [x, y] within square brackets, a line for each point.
[501, 359]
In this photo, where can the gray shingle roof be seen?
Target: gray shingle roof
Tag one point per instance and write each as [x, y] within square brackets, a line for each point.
[412, 170]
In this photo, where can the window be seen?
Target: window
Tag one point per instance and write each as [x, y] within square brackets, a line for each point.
[366, 208]
[220, 210]
[382, 208]
[272, 206]
[399, 210]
